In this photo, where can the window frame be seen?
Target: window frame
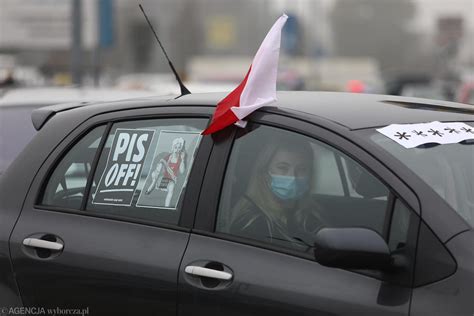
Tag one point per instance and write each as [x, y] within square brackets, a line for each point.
[64, 153]
[190, 195]
[206, 215]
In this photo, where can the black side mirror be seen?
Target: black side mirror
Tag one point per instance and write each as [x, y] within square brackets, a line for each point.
[351, 248]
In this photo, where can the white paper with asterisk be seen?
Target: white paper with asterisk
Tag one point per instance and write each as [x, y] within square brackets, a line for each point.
[413, 135]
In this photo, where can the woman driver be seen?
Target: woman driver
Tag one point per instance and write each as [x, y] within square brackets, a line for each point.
[277, 206]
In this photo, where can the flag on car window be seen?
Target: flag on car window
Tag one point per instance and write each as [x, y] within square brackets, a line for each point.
[258, 87]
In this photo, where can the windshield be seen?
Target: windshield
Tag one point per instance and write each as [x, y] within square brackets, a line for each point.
[447, 169]
[16, 131]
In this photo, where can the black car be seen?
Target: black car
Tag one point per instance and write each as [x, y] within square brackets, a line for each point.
[125, 208]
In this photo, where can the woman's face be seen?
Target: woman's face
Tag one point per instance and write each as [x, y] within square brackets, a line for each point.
[292, 164]
[177, 146]
[288, 175]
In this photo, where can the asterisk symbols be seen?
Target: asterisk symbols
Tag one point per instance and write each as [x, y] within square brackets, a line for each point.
[467, 130]
[420, 133]
[403, 135]
[435, 132]
[451, 130]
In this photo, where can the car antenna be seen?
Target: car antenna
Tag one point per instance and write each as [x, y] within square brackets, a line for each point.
[183, 88]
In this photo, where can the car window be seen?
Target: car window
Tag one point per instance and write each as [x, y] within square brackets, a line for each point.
[281, 187]
[66, 185]
[143, 170]
[447, 169]
[337, 175]
[327, 166]
[401, 219]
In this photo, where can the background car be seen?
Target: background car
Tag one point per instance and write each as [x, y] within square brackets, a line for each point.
[382, 235]
[466, 93]
[16, 106]
[426, 91]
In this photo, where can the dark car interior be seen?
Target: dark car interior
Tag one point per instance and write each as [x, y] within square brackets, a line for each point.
[69, 180]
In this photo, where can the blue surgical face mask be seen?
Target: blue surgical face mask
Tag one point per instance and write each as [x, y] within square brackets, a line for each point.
[288, 187]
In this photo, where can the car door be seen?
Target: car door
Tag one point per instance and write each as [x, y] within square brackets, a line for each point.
[103, 228]
[247, 272]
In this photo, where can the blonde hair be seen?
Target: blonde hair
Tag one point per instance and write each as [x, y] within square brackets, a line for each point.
[178, 140]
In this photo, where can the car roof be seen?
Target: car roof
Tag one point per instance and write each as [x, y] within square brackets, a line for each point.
[358, 111]
[352, 110]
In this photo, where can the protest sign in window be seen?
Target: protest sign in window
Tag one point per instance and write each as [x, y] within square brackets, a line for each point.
[144, 168]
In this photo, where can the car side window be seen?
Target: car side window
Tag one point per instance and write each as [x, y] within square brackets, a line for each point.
[336, 174]
[282, 187]
[327, 165]
[66, 185]
[144, 168]
[401, 219]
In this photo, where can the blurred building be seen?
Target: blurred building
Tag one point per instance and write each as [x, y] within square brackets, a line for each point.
[187, 28]
[39, 32]
[119, 41]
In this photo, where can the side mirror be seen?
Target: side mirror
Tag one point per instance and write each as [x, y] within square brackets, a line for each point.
[351, 248]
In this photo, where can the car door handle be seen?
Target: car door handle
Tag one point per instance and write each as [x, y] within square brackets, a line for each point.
[208, 273]
[44, 244]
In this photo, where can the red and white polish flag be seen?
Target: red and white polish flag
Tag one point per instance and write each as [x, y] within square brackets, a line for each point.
[258, 87]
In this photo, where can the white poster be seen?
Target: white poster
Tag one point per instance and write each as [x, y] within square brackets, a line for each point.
[169, 170]
[413, 135]
[124, 167]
